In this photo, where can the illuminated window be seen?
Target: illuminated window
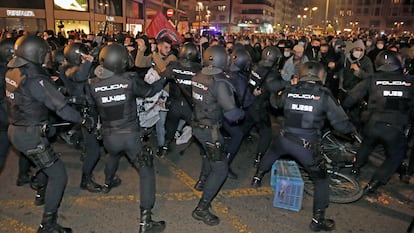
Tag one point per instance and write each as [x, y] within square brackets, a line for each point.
[396, 1]
[221, 8]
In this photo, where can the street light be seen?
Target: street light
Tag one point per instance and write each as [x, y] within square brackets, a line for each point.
[310, 11]
[398, 24]
[199, 8]
[301, 17]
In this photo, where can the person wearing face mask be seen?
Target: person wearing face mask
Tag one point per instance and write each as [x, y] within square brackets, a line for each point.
[379, 46]
[370, 43]
[291, 66]
[313, 51]
[334, 65]
[357, 68]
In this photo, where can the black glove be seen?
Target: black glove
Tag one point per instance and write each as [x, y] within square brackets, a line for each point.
[89, 123]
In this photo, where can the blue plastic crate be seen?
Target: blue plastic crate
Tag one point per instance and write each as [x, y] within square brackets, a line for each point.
[287, 182]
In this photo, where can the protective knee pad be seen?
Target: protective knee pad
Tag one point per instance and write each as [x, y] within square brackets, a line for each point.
[41, 156]
[215, 151]
[145, 158]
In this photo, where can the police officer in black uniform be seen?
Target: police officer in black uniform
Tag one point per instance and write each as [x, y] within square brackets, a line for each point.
[239, 76]
[182, 71]
[390, 103]
[213, 101]
[115, 92]
[30, 96]
[74, 74]
[264, 79]
[306, 106]
[6, 54]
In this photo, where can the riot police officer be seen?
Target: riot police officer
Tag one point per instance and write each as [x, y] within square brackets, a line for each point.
[390, 103]
[182, 71]
[240, 62]
[264, 79]
[6, 54]
[30, 96]
[213, 102]
[306, 106]
[75, 74]
[115, 92]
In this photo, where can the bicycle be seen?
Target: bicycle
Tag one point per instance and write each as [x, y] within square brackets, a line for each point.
[338, 153]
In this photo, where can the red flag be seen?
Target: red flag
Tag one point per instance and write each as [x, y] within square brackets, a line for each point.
[160, 27]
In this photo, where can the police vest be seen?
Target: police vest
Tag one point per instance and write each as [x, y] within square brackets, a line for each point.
[303, 107]
[181, 90]
[390, 96]
[206, 108]
[23, 109]
[115, 101]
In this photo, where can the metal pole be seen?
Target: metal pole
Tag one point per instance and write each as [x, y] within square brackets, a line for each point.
[326, 13]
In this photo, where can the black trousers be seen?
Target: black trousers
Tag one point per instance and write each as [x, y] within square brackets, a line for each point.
[130, 143]
[395, 145]
[92, 152]
[262, 121]
[215, 169]
[178, 111]
[282, 146]
[236, 138]
[27, 138]
[4, 147]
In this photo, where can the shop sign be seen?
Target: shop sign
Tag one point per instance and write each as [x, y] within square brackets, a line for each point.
[110, 18]
[20, 13]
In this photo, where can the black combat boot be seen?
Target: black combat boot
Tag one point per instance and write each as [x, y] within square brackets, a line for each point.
[202, 213]
[40, 196]
[199, 185]
[147, 225]
[372, 187]
[87, 183]
[22, 179]
[319, 223]
[110, 184]
[49, 224]
[257, 179]
[257, 159]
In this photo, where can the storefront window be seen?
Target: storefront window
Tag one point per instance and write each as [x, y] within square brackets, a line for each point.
[25, 24]
[73, 5]
[65, 26]
[108, 27]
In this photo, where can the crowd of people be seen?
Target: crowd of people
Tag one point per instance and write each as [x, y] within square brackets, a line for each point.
[222, 85]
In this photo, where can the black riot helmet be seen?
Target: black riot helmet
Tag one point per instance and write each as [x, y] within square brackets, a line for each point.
[114, 57]
[388, 61]
[312, 71]
[73, 53]
[31, 48]
[188, 52]
[271, 56]
[6, 50]
[215, 56]
[240, 60]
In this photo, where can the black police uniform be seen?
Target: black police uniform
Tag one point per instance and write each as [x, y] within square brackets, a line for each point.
[115, 96]
[75, 78]
[180, 99]
[306, 107]
[4, 141]
[213, 102]
[268, 80]
[391, 96]
[30, 96]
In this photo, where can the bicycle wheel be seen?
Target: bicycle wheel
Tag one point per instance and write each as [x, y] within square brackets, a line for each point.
[337, 149]
[343, 189]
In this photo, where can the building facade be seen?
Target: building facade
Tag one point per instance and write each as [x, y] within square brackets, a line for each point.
[379, 15]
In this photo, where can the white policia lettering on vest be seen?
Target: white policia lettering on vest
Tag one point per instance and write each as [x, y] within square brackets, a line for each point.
[197, 96]
[185, 82]
[393, 83]
[303, 96]
[111, 87]
[184, 72]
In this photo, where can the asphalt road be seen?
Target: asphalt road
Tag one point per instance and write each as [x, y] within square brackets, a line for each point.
[240, 208]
